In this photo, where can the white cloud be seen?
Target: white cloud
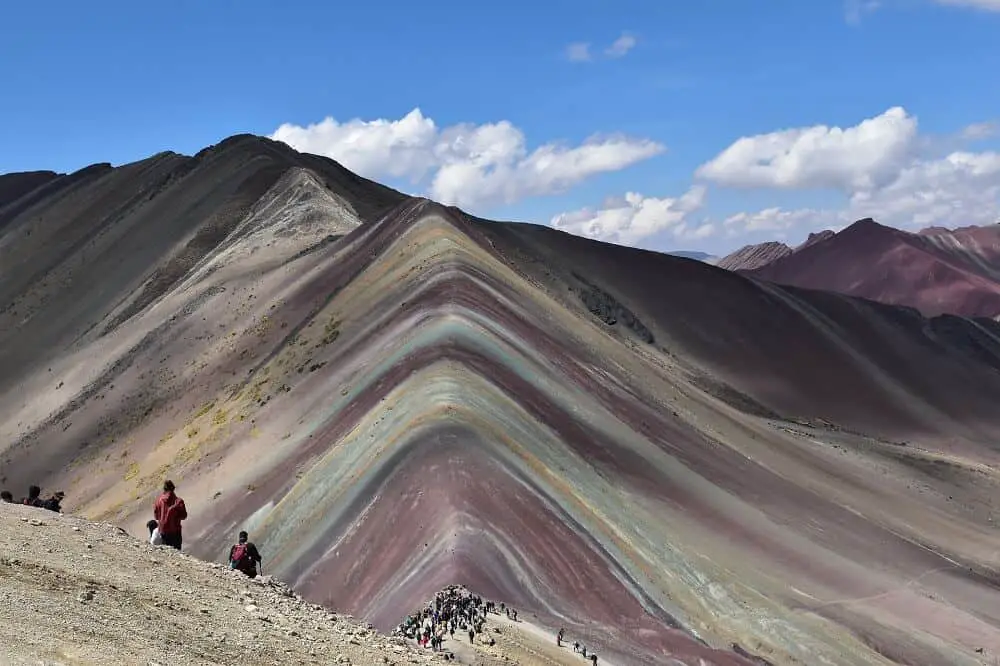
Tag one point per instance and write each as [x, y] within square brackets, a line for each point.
[779, 219]
[636, 217]
[960, 189]
[472, 177]
[468, 165]
[957, 190]
[882, 166]
[854, 10]
[987, 5]
[579, 52]
[979, 131]
[621, 46]
[398, 148]
[818, 156]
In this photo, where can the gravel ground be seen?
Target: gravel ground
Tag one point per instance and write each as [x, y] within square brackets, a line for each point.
[75, 592]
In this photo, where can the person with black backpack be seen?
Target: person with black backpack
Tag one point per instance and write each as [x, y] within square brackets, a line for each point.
[244, 556]
[54, 503]
[33, 498]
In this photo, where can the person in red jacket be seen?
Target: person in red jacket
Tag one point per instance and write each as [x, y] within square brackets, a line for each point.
[169, 511]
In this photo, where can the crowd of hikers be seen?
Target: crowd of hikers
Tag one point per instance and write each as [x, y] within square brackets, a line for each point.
[34, 498]
[455, 609]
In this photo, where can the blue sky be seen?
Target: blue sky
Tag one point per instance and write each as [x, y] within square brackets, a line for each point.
[118, 81]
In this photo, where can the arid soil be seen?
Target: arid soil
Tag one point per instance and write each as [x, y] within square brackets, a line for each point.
[76, 592]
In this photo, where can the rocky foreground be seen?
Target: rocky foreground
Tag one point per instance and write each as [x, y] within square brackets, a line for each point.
[76, 592]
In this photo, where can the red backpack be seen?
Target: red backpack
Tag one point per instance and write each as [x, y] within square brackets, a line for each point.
[240, 559]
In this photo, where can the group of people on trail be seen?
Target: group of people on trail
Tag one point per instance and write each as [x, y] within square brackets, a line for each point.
[34, 498]
[453, 609]
[169, 511]
[577, 647]
[456, 609]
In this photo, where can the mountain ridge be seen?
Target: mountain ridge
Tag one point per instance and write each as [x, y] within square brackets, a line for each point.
[936, 271]
[645, 449]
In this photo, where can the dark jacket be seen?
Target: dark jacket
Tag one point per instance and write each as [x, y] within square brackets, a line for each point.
[250, 565]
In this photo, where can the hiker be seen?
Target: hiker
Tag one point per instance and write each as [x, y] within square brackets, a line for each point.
[244, 556]
[33, 498]
[54, 503]
[155, 538]
[576, 646]
[169, 511]
[559, 637]
[593, 658]
[472, 635]
[5, 496]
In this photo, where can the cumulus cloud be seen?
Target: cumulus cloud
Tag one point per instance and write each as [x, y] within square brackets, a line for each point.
[398, 148]
[509, 172]
[882, 166]
[467, 165]
[819, 156]
[636, 217]
[957, 190]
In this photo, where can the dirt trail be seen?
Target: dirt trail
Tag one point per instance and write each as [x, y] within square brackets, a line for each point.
[518, 642]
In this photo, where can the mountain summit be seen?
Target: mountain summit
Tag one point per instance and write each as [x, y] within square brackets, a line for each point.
[937, 271]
